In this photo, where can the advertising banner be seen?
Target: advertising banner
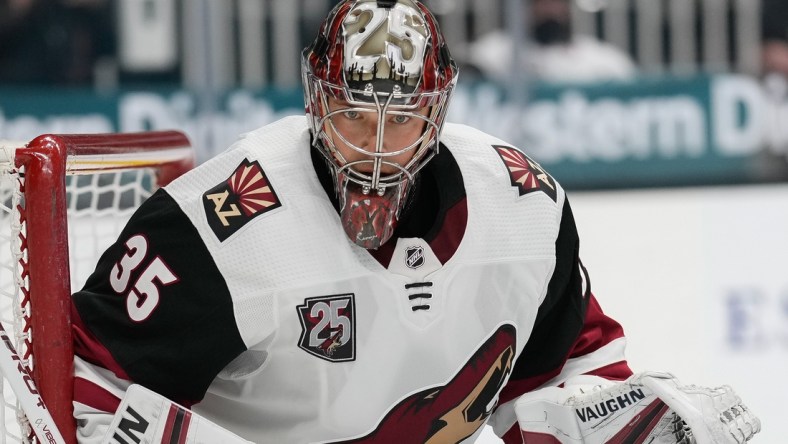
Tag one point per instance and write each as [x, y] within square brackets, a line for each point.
[664, 131]
[652, 132]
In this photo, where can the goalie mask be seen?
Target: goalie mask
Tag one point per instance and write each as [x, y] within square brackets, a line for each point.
[377, 81]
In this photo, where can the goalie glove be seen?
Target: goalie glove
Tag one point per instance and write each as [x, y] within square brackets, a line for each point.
[147, 417]
[652, 408]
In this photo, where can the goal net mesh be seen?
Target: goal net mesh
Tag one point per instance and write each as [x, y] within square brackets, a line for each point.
[98, 205]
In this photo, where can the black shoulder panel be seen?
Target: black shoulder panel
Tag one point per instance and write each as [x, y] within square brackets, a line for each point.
[561, 316]
[159, 304]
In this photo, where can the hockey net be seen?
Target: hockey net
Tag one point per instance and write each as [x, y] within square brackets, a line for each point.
[63, 201]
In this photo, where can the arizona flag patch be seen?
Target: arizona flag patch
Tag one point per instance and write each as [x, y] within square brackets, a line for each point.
[526, 175]
[233, 203]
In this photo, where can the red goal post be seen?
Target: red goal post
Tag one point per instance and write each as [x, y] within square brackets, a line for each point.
[54, 185]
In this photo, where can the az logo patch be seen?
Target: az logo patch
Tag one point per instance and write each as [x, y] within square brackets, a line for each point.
[526, 175]
[245, 195]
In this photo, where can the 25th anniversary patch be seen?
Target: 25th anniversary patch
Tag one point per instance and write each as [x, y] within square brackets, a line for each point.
[329, 327]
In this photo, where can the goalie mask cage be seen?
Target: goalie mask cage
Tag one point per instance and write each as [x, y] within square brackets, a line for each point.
[63, 201]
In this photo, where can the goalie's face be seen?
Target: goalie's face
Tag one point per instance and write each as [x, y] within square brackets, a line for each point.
[374, 150]
[370, 143]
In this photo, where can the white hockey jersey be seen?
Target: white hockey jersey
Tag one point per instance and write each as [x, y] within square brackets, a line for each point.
[235, 291]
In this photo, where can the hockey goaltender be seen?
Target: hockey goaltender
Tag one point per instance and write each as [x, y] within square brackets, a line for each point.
[367, 273]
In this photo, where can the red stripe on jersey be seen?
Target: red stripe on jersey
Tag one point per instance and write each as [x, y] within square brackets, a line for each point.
[617, 371]
[598, 331]
[89, 348]
[452, 231]
[513, 436]
[94, 396]
[539, 438]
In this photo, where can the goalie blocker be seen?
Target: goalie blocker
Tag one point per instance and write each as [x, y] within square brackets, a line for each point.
[649, 408]
[147, 417]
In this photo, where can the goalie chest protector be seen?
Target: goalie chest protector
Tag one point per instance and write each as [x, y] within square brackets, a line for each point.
[341, 348]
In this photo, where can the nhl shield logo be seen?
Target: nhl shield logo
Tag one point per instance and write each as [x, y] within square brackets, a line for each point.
[414, 257]
[328, 326]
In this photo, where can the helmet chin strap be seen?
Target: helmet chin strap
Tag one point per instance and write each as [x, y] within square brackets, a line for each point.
[369, 219]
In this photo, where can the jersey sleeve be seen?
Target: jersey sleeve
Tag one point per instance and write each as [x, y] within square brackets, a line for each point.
[156, 311]
[571, 335]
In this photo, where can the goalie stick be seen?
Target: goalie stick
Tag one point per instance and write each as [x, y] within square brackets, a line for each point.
[24, 388]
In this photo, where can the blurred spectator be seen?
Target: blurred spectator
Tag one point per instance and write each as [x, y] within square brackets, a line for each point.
[53, 42]
[553, 52]
[775, 37]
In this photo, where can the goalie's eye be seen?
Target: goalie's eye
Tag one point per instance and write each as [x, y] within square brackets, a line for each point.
[352, 115]
[399, 119]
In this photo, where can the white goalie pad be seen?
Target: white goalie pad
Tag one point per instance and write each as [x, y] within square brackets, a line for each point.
[649, 408]
[145, 417]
